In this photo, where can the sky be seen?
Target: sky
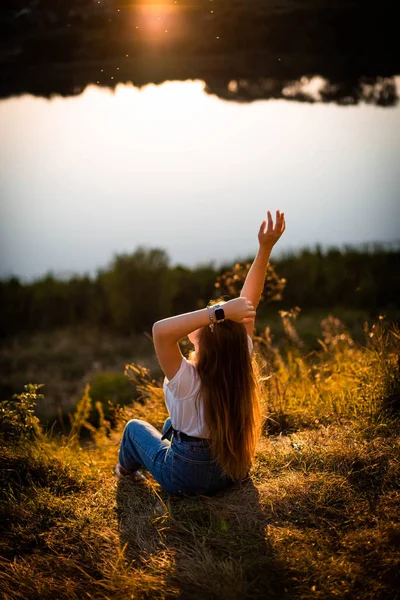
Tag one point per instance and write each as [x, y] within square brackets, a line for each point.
[169, 166]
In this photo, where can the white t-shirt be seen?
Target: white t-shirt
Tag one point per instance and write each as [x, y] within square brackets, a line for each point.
[180, 397]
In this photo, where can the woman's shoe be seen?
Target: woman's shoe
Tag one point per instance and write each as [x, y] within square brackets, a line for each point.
[121, 472]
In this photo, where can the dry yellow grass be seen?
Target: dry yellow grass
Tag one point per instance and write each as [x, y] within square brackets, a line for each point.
[318, 518]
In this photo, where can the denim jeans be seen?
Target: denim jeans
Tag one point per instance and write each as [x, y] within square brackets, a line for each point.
[180, 467]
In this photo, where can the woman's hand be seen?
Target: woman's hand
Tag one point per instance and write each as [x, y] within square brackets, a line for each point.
[269, 235]
[239, 310]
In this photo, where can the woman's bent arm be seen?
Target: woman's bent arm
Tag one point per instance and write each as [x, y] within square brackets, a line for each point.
[168, 332]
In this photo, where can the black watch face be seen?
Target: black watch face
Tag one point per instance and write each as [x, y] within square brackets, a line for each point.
[219, 314]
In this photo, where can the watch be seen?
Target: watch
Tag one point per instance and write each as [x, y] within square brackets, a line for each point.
[219, 313]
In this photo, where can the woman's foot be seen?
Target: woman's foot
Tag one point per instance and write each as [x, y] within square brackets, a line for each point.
[121, 472]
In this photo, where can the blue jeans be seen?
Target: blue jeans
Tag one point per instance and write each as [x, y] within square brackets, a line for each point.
[180, 467]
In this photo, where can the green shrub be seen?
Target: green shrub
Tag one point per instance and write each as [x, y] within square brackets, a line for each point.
[17, 419]
[112, 387]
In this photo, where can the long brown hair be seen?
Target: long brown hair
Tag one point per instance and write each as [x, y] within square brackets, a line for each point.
[230, 397]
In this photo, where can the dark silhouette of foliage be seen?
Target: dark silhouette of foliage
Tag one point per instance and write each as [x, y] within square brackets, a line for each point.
[242, 50]
[137, 289]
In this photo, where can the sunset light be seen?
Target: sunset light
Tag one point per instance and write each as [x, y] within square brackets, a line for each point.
[199, 300]
[155, 20]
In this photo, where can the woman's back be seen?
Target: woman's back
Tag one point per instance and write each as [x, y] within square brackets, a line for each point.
[184, 400]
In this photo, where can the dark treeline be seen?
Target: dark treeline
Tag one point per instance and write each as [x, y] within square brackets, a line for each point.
[242, 50]
[139, 288]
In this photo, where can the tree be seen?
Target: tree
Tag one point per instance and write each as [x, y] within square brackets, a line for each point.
[137, 289]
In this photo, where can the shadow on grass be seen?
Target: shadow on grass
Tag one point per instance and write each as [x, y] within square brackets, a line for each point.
[203, 547]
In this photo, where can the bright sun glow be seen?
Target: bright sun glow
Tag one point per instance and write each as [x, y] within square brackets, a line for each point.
[156, 23]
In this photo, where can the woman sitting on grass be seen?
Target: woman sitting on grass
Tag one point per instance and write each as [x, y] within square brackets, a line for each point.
[210, 438]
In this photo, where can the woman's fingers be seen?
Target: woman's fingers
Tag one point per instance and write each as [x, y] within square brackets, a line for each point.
[278, 223]
[271, 230]
[249, 309]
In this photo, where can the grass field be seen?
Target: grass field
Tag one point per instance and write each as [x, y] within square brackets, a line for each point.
[66, 359]
[318, 517]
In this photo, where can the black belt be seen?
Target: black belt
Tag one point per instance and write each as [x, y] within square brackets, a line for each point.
[182, 437]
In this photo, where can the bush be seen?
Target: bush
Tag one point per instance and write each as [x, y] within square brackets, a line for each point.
[17, 420]
[110, 387]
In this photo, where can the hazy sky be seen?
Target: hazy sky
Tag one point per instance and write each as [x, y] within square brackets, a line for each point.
[168, 166]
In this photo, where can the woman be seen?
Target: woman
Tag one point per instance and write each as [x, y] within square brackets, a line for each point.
[210, 438]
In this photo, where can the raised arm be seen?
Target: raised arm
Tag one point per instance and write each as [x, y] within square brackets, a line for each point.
[268, 235]
[168, 332]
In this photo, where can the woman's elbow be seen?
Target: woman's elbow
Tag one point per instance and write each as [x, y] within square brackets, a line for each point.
[156, 328]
